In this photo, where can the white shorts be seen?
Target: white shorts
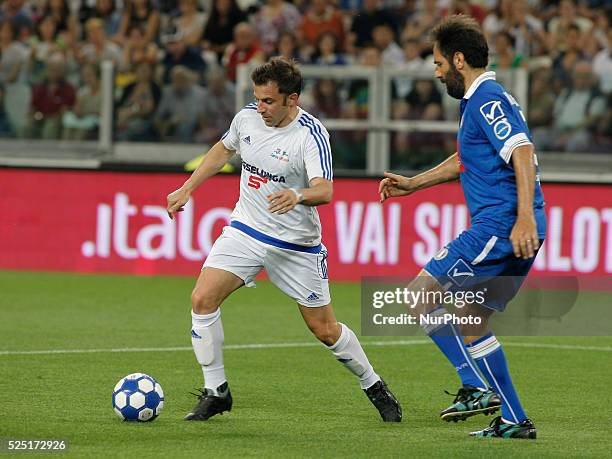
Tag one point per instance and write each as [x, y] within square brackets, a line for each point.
[300, 275]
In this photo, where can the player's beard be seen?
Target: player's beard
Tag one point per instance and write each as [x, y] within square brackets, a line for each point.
[455, 86]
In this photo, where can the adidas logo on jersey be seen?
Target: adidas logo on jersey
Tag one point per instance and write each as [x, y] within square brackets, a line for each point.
[313, 297]
[247, 140]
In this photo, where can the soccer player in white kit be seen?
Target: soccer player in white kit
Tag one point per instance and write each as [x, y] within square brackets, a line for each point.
[286, 173]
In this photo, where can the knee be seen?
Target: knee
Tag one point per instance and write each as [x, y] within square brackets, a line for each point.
[203, 302]
[473, 331]
[428, 294]
[326, 332]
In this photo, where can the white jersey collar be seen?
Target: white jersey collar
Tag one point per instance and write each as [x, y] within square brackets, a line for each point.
[290, 125]
[477, 82]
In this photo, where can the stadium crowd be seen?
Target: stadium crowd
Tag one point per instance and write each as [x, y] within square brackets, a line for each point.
[176, 62]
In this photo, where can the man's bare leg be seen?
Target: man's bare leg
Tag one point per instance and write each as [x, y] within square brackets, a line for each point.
[345, 346]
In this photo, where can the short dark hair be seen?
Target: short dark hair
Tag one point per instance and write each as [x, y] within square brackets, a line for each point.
[282, 72]
[461, 33]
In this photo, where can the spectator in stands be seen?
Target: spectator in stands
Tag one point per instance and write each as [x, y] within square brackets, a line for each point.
[322, 17]
[326, 101]
[65, 21]
[327, 51]
[25, 31]
[412, 58]
[180, 108]
[14, 78]
[243, 49]
[597, 38]
[505, 57]
[136, 107]
[287, 47]
[218, 108]
[602, 65]
[559, 26]
[17, 12]
[602, 130]
[50, 99]
[351, 145]
[563, 65]
[541, 99]
[136, 50]
[465, 7]
[178, 53]
[371, 15]
[219, 30]
[423, 102]
[412, 61]
[500, 18]
[383, 37]
[98, 47]
[415, 149]
[403, 11]
[418, 26]
[274, 17]
[528, 33]
[83, 121]
[105, 10]
[190, 22]
[358, 97]
[140, 13]
[46, 43]
[577, 112]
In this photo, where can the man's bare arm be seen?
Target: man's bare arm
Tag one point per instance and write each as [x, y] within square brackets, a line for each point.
[319, 192]
[524, 235]
[394, 185]
[212, 163]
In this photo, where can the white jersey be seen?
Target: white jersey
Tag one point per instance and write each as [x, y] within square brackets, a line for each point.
[275, 159]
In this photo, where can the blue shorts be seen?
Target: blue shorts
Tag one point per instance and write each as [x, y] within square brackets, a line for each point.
[477, 260]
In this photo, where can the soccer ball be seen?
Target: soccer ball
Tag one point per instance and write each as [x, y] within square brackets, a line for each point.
[138, 397]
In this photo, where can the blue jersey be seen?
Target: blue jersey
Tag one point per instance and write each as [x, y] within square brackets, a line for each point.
[492, 126]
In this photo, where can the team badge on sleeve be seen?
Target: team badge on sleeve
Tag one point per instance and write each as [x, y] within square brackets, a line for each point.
[492, 111]
[502, 129]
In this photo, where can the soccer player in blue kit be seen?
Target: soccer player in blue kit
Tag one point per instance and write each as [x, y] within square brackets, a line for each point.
[497, 167]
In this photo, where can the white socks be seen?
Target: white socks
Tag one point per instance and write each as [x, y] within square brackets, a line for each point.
[349, 352]
[207, 341]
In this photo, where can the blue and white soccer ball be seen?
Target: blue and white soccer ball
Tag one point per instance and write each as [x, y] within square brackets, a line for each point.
[138, 397]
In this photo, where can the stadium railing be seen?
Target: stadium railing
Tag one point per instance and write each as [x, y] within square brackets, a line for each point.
[378, 128]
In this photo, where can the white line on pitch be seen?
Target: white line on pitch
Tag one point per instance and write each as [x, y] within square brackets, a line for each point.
[573, 347]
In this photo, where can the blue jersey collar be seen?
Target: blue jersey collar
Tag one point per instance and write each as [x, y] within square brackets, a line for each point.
[477, 82]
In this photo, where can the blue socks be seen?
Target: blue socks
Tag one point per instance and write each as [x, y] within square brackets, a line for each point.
[450, 342]
[487, 354]
[490, 358]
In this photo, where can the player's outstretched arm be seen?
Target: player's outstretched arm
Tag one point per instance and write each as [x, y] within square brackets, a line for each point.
[212, 163]
[394, 185]
[524, 235]
[319, 192]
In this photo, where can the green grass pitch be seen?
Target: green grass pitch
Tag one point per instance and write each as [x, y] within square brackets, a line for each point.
[288, 401]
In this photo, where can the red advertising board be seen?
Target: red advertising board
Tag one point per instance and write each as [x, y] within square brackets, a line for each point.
[91, 221]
